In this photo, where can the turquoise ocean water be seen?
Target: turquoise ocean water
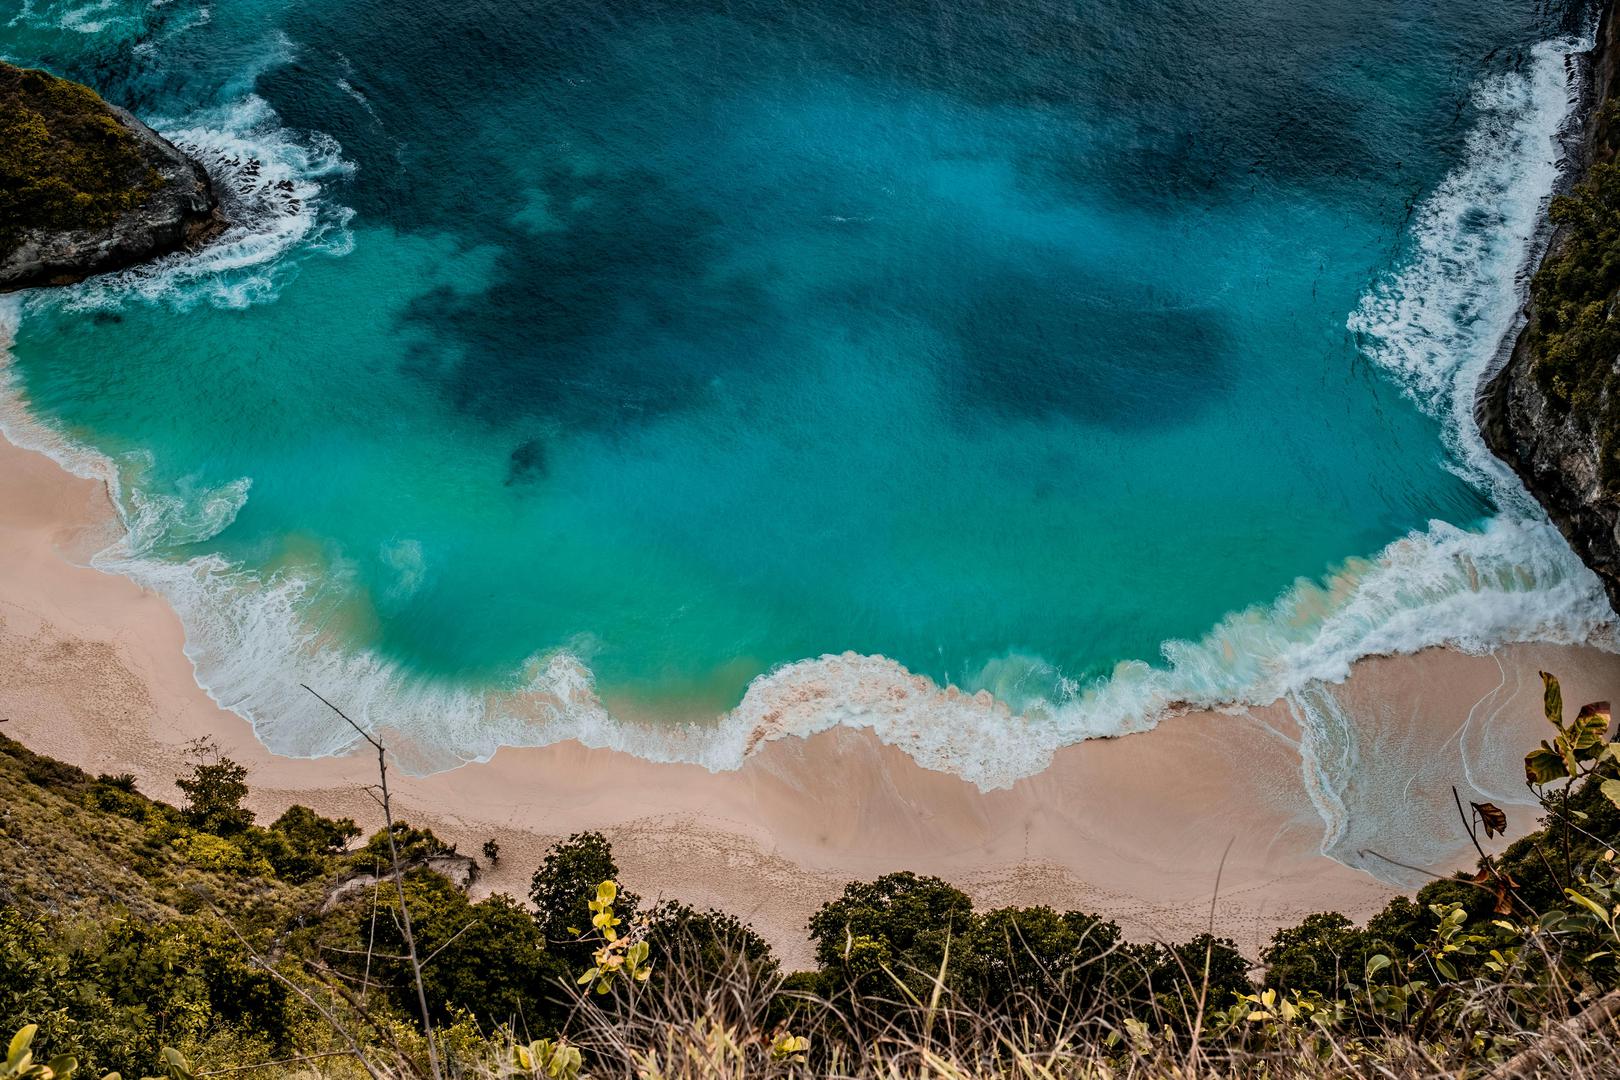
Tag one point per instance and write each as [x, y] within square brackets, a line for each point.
[667, 373]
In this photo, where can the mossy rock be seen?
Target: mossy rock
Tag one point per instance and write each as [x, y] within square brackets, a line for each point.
[1575, 334]
[66, 162]
[84, 186]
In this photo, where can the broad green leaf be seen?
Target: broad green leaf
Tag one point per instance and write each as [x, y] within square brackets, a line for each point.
[1588, 903]
[1589, 729]
[19, 1044]
[1543, 765]
[1552, 699]
[63, 1065]
[607, 892]
[1611, 791]
[1375, 964]
[179, 1068]
[1566, 750]
[1445, 968]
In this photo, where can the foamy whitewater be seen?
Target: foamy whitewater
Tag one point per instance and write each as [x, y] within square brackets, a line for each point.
[275, 594]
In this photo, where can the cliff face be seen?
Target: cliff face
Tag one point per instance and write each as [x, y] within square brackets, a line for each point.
[86, 188]
[1551, 412]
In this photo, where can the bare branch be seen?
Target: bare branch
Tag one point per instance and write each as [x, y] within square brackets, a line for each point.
[399, 882]
[308, 998]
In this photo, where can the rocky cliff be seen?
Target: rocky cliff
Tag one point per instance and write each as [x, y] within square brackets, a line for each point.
[86, 188]
[1553, 411]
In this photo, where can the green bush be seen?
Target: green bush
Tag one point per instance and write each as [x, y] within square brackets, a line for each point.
[215, 790]
[489, 958]
[413, 846]
[562, 888]
[65, 160]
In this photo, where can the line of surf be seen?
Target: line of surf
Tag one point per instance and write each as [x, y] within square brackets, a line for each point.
[1433, 324]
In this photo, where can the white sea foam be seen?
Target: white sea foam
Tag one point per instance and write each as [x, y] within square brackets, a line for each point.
[127, 20]
[269, 182]
[1438, 325]
[93, 17]
[1435, 324]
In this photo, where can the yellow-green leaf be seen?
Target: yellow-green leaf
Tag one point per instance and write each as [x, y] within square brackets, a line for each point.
[19, 1044]
[1590, 727]
[1543, 765]
[1611, 791]
[1566, 750]
[1588, 903]
[1552, 699]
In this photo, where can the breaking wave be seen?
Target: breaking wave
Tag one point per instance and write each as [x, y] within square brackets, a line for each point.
[1434, 323]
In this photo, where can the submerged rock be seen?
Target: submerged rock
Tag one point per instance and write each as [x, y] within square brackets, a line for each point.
[1553, 411]
[86, 188]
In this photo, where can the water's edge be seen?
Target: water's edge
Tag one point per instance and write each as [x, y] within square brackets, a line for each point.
[1436, 331]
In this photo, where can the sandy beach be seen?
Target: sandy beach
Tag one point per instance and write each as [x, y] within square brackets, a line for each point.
[1140, 829]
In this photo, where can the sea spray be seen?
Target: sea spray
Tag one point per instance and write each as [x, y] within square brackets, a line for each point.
[1441, 318]
[269, 182]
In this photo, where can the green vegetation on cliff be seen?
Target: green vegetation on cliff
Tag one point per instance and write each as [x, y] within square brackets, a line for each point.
[66, 162]
[1574, 334]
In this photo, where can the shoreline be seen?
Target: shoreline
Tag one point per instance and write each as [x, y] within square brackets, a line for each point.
[1137, 828]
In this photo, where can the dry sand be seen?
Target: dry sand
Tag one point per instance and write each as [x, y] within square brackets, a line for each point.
[92, 672]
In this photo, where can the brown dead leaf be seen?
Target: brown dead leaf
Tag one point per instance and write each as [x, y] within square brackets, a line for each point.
[1492, 817]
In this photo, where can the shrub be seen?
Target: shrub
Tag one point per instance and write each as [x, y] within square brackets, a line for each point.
[562, 888]
[215, 790]
[488, 958]
[65, 160]
[414, 846]
[302, 845]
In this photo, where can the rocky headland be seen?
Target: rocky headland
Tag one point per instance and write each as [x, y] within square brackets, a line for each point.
[86, 188]
[1552, 412]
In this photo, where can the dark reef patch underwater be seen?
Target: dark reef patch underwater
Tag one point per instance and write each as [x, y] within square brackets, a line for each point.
[573, 365]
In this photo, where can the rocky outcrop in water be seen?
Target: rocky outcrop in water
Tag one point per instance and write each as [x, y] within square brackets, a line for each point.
[86, 188]
[1553, 411]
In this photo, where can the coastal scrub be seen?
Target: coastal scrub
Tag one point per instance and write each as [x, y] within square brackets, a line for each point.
[66, 161]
